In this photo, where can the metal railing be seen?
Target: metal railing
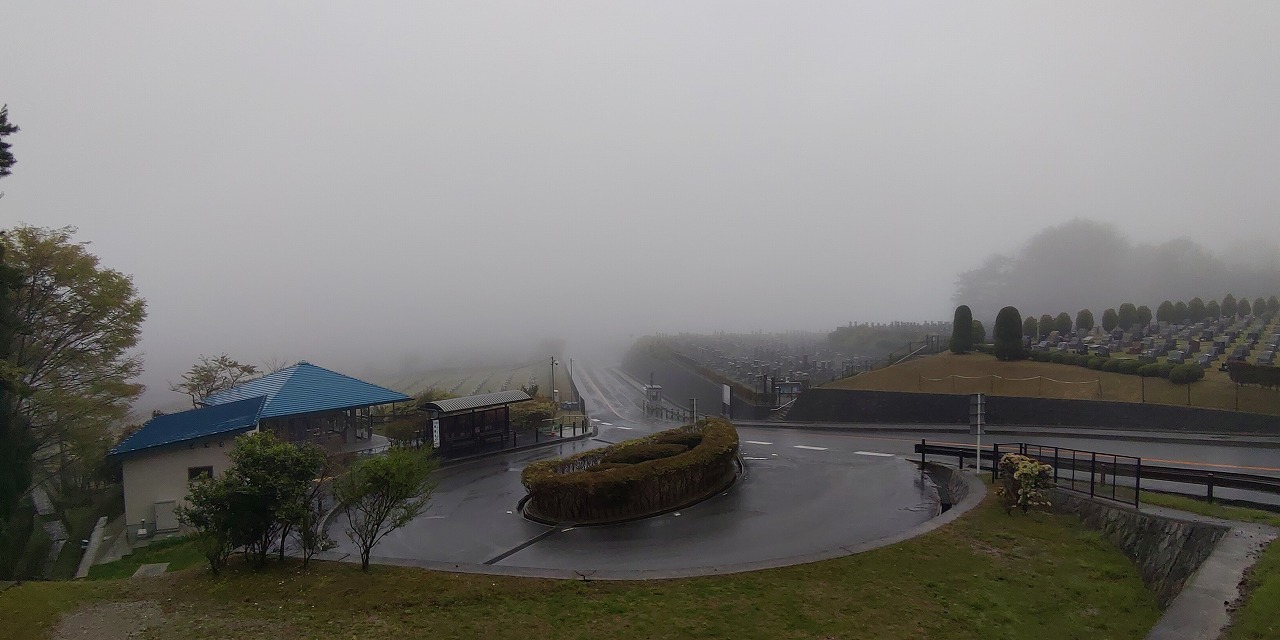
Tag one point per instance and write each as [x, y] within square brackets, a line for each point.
[1106, 475]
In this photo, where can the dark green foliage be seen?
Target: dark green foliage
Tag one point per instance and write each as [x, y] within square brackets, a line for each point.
[1244, 308]
[643, 453]
[1144, 315]
[1259, 306]
[1244, 373]
[1273, 305]
[1164, 312]
[1127, 316]
[1008, 334]
[6, 128]
[1062, 323]
[1040, 356]
[1165, 368]
[962, 330]
[1109, 320]
[16, 445]
[1229, 307]
[1180, 312]
[1058, 357]
[1030, 327]
[1212, 310]
[1096, 362]
[1196, 310]
[1128, 367]
[605, 466]
[567, 490]
[1185, 374]
[1112, 366]
[1149, 370]
[1045, 326]
[1084, 321]
[979, 333]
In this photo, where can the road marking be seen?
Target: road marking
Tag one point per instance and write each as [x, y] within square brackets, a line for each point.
[873, 453]
[750, 458]
[757, 442]
[805, 446]
[595, 419]
[621, 427]
[607, 424]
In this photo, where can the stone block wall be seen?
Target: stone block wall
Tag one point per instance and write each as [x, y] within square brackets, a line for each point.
[1166, 550]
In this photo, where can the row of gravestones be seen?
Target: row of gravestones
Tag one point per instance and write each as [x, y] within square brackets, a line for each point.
[1159, 340]
[791, 359]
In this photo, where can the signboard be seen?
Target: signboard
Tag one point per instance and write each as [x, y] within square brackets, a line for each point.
[727, 395]
[435, 434]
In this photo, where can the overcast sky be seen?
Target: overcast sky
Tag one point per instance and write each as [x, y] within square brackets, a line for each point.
[357, 181]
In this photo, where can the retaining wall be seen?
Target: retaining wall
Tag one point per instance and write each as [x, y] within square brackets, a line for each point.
[1166, 550]
[896, 407]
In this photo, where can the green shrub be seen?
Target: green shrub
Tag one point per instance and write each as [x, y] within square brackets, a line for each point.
[1149, 370]
[643, 453]
[567, 490]
[689, 439]
[1041, 356]
[1095, 362]
[1058, 358]
[1112, 366]
[1185, 374]
[1008, 335]
[605, 466]
[1023, 482]
[1128, 367]
[1165, 369]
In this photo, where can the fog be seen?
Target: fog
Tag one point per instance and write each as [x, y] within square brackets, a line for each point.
[381, 186]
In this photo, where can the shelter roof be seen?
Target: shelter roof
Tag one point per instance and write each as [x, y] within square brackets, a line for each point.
[470, 403]
[307, 388]
[192, 424]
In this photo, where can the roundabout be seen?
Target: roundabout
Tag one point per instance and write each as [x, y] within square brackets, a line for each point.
[792, 503]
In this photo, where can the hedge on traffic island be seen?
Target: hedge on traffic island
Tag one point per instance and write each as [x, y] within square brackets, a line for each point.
[635, 478]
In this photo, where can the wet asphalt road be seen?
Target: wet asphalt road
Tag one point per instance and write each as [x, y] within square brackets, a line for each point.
[804, 492]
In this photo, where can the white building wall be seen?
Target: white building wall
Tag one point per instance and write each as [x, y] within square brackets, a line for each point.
[160, 474]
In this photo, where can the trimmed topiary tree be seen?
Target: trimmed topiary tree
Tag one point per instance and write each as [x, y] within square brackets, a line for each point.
[979, 333]
[1127, 316]
[1244, 308]
[1008, 334]
[1212, 310]
[1109, 320]
[1181, 314]
[1229, 306]
[1195, 309]
[1030, 328]
[1084, 321]
[962, 330]
[1164, 312]
[1144, 315]
[1062, 323]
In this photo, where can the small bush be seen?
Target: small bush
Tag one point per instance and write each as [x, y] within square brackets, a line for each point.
[1166, 368]
[1149, 370]
[644, 453]
[1185, 374]
[1023, 482]
[1128, 367]
[1095, 362]
[1058, 358]
[1112, 366]
[1040, 356]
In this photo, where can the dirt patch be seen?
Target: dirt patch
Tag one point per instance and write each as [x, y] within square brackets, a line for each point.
[108, 620]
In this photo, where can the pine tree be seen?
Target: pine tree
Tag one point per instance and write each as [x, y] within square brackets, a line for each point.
[1008, 334]
[962, 330]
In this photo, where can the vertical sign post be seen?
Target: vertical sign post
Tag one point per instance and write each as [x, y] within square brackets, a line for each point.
[435, 434]
[977, 411]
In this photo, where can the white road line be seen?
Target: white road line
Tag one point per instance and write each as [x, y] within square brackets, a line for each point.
[607, 424]
[757, 442]
[874, 453]
[750, 458]
[621, 427]
[805, 446]
[595, 419]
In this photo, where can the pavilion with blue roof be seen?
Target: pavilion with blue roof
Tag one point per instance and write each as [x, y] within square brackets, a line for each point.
[302, 403]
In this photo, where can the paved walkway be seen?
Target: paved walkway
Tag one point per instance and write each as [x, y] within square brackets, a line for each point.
[1201, 609]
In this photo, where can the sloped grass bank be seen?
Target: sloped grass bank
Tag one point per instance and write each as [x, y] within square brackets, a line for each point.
[984, 576]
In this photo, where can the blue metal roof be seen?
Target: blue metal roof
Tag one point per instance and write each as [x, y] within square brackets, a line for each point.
[195, 423]
[306, 388]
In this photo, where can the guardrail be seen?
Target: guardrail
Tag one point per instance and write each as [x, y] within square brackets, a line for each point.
[1106, 475]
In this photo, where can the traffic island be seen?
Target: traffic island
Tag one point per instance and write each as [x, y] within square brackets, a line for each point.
[636, 478]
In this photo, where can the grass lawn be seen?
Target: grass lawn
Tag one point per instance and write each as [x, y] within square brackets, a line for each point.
[179, 552]
[982, 373]
[984, 576]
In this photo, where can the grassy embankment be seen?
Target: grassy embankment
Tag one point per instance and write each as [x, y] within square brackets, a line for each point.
[985, 575]
[981, 373]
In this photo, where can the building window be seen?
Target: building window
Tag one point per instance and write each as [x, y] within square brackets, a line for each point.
[195, 473]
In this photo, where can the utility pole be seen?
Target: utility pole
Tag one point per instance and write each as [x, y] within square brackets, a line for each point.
[693, 409]
[552, 390]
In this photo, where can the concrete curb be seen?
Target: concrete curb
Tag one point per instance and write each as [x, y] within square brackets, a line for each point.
[977, 490]
[91, 552]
